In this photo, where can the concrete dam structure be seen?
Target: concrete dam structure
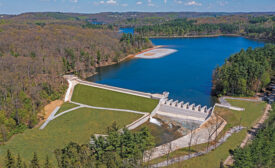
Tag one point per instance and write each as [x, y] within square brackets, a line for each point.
[184, 111]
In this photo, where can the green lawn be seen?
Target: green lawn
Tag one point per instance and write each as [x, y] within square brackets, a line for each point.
[253, 111]
[66, 106]
[76, 126]
[105, 98]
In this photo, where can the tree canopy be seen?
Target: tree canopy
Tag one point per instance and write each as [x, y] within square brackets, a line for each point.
[261, 152]
[245, 73]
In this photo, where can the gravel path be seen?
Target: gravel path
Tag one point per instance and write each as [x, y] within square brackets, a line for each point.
[53, 116]
[106, 108]
[224, 102]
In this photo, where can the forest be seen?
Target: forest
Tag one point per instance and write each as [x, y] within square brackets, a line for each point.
[261, 152]
[118, 149]
[245, 73]
[34, 55]
[182, 27]
[261, 27]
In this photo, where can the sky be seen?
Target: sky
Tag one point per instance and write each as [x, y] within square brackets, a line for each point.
[95, 6]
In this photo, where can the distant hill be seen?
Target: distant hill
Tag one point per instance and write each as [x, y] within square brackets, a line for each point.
[113, 17]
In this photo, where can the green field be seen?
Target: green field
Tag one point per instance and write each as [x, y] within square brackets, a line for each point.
[105, 98]
[76, 126]
[253, 111]
[66, 106]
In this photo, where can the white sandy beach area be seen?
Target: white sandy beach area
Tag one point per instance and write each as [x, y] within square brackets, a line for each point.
[156, 53]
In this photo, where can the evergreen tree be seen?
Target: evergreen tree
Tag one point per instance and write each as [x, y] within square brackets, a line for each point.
[34, 161]
[10, 163]
[25, 165]
[245, 73]
[47, 163]
[19, 163]
[261, 152]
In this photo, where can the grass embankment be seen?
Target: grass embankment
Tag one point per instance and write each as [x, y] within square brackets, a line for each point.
[253, 111]
[105, 98]
[213, 158]
[66, 106]
[76, 126]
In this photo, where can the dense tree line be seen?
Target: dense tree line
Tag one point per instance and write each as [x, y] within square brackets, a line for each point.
[260, 32]
[33, 58]
[246, 72]
[254, 27]
[260, 19]
[261, 152]
[182, 27]
[119, 149]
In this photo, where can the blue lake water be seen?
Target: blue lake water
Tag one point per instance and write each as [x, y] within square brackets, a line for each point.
[126, 30]
[186, 74]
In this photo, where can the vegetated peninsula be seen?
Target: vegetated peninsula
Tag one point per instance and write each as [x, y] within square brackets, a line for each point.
[245, 73]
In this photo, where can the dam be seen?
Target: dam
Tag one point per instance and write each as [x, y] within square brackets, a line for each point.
[166, 107]
[184, 111]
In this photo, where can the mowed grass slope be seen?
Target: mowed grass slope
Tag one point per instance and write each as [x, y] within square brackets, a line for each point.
[212, 159]
[76, 126]
[105, 98]
[253, 111]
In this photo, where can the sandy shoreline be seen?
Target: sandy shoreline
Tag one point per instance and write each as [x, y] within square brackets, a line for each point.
[155, 53]
[130, 56]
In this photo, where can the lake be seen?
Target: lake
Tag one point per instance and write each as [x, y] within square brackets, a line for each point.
[186, 74]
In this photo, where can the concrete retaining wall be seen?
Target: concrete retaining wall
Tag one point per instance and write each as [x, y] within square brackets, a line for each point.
[181, 116]
[116, 89]
[199, 136]
[143, 119]
[138, 122]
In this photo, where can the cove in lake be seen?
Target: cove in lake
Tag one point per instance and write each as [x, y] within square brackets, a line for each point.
[126, 30]
[186, 74]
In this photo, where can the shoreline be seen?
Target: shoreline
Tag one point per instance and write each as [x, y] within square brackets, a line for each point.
[197, 36]
[213, 35]
[128, 57]
[155, 53]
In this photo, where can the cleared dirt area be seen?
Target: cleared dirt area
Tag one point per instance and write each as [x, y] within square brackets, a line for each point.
[48, 109]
